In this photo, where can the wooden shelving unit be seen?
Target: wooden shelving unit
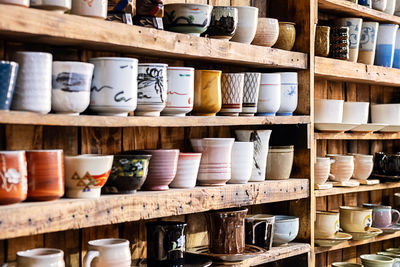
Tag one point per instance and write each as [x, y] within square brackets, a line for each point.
[356, 136]
[361, 188]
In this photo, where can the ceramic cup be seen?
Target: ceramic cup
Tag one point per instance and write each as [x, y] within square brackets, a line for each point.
[85, 175]
[33, 88]
[90, 8]
[247, 24]
[387, 164]
[326, 224]
[385, 44]
[71, 86]
[322, 41]
[289, 93]
[224, 20]
[59, 6]
[242, 162]
[8, 77]
[39, 257]
[396, 56]
[286, 229]
[397, 9]
[259, 230]
[355, 219]
[340, 45]
[383, 216]
[108, 252]
[269, 98]
[385, 113]
[369, 35]
[260, 139]
[342, 168]
[13, 177]
[363, 165]
[371, 260]
[166, 242]
[188, 168]
[367, 3]
[114, 85]
[226, 231]
[328, 110]
[251, 90]
[45, 174]
[279, 162]
[322, 168]
[207, 92]
[390, 7]
[287, 36]
[267, 32]
[232, 94]
[24, 3]
[180, 91]
[379, 4]
[355, 112]
[354, 25]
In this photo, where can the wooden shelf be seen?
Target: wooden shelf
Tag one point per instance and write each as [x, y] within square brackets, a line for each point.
[357, 136]
[335, 69]
[344, 7]
[64, 29]
[41, 217]
[361, 188]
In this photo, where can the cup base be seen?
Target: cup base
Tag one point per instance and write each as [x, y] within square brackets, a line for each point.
[148, 113]
[67, 113]
[271, 114]
[246, 114]
[78, 193]
[285, 114]
[205, 114]
[156, 188]
[127, 192]
[122, 114]
[234, 114]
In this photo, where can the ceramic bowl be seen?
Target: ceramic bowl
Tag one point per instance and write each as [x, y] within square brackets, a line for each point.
[224, 20]
[187, 170]
[287, 36]
[372, 260]
[385, 113]
[279, 162]
[24, 3]
[59, 6]
[342, 168]
[289, 93]
[355, 112]
[247, 24]
[328, 110]
[286, 229]
[267, 32]
[355, 219]
[322, 168]
[192, 19]
[8, 77]
[363, 166]
[326, 224]
[242, 162]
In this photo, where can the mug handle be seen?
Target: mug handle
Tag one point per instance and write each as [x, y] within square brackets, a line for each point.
[395, 216]
[89, 257]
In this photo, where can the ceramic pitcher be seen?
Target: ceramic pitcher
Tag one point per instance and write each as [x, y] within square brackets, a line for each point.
[251, 90]
[8, 77]
[13, 177]
[232, 93]
[369, 34]
[354, 25]
[108, 252]
[207, 92]
[386, 44]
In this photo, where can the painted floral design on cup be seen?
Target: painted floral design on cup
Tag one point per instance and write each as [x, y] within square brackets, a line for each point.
[88, 180]
[367, 35]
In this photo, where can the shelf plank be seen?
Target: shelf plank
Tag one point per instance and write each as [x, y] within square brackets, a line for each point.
[30, 118]
[348, 8]
[335, 69]
[32, 218]
[65, 29]
[361, 188]
[357, 136]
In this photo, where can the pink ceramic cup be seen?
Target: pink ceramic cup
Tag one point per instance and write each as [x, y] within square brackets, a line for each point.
[188, 168]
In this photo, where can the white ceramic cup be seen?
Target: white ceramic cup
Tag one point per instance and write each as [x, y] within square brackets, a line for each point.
[385, 113]
[379, 4]
[251, 90]
[33, 87]
[328, 111]
[247, 24]
[342, 168]
[71, 86]
[385, 45]
[114, 86]
[363, 166]
[322, 168]
[180, 91]
[24, 3]
[326, 224]
[269, 97]
[187, 170]
[354, 25]
[90, 8]
[390, 7]
[242, 162]
[40, 257]
[369, 36]
[355, 112]
[108, 252]
[289, 93]
[59, 6]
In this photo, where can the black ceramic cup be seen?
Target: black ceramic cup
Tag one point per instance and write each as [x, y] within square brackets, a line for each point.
[387, 164]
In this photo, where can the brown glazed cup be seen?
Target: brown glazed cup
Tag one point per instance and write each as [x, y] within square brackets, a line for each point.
[45, 174]
[226, 231]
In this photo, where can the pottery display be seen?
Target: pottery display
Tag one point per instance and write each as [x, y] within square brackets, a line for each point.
[328, 110]
[322, 168]
[326, 224]
[267, 32]
[354, 25]
[13, 177]
[108, 252]
[33, 87]
[396, 56]
[322, 41]
[259, 230]
[129, 172]
[385, 113]
[8, 78]
[367, 3]
[286, 229]
[94, 8]
[369, 35]
[226, 230]
[371, 260]
[59, 6]
[390, 7]
[260, 139]
[207, 92]
[383, 216]
[340, 43]
[342, 168]
[289, 93]
[346, 264]
[379, 4]
[387, 164]
[247, 24]
[224, 20]
[187, 170]
[24, 3]
[287, 36]
[385, 45]
[180, 91]
[269, 97]
[251, 90]
[192, 19]
[355, 219]
[355, 112]
[39, 257]
[71, 83]
[363, 165]
[114, 86]
[242, 162]
[232, 93]
[279, 162]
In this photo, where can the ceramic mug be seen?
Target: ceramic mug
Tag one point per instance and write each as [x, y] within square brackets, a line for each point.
[59, 6]
[207, 92]
[383, 216]
[13, 177]
[251, 90]
[114, 85]
[187, 170]
[379, 4]
[355, 219]
[354, 25]
[260, 230]
[279, 162]
[369, 35]
[287, 36]
[232, 93]
[242, 162]
[322, 41]
[386, 44]
[289, 93]
[39, 257]
[326, 224]
[33, 88]
[247, 24]
[108, 252]
[24, 3]
[269, 98]
[224, 20]
[396, 56]
[371, 260]
[8, 77]
[90, 8]
[340, 45]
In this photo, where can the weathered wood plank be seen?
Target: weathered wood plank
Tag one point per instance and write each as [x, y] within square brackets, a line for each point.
[356, 136]
[361, 188]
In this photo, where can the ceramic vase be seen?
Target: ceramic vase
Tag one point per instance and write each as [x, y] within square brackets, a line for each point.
[187, 170]
[379, 4]
[286, 229]
[279, 162]
[59, 6]
[24, 3]
[224, 20]
[269, 98]
[114, 86]
[259, 230]
[87, 8]
[322, 168]
[369, 34]
[33, 88]
[322, 41]
[71, 86]
[247, 24]
[342, 168]
[267, 32]
[232, 94]
[180, 91]
[385, 45]
[289, 93]
[390, 7]
[396, 56]
[363, 165]
[242, 162]
[339, 39]
[39, 257]
[287, 36]
[108, 252]
[367, 3]
[354, 25]
[260, 139]
[13, 177]
[207, 92]
[251, 89]
[8, 77]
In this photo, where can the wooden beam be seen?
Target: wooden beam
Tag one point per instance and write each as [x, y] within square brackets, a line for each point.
[357, 136]
[361, 188]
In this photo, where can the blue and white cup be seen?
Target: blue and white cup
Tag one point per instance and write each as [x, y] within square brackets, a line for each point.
[367, 3]
[289, 93]
[8, 77]
[369, 34]
[354, 25]
[385, 45]
[269, 97]
[396, 56]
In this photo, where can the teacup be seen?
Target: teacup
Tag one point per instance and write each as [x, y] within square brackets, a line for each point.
[355, 219]
[363, 165]
[207, 92]
[108, 252]
[96, 8]
[269, 97]
[385, 45]
[251, 90]
[224, 20]
[8, 77]
[39, 257]
[383, 216]
[260, 230]
[232, 93]
[354, 25]
[342, 168]
[326, 224]
[187, 170]
[247, 24]
[371, 260]
[13, 174]
[322, 168]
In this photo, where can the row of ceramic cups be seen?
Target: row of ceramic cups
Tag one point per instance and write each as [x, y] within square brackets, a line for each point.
[387, 6]
[381, 259]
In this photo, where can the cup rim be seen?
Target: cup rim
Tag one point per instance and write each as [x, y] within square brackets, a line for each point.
[33, 53]
[327, 213]
[245, 7]
[373, 206]
[188, 4]
[11, 151]
[117, 156]
[43, 150]
[285, 218]
[213, 71]
[89, 156]
[356, 209]
[287, 22]
[180, 68]
[95, 243]
[13, 63]
[25, 254]
[382, 258]
[113, 58]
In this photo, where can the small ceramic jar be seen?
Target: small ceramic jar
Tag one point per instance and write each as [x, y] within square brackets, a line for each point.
[232, 94]
[287, 36]
[363, 165]
[289, 93]
[343, 167]
[93, 8]
[269, 98]
[354, 25]
[369, 34]
[322, 168]
[322, 43]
